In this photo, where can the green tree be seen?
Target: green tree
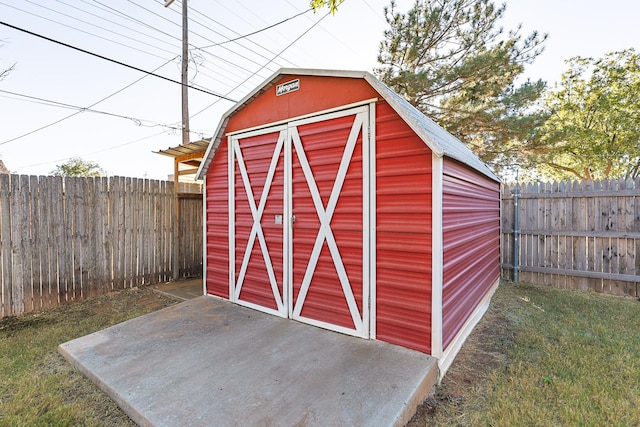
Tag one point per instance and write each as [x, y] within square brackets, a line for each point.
[594, 128]
[78, 167]
[451, 60]
[331, 4]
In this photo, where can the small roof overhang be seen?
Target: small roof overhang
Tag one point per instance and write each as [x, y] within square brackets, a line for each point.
[185, 150]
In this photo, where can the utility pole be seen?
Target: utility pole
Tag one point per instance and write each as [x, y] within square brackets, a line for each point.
[185, 134]
[185, 71]
[185, 75]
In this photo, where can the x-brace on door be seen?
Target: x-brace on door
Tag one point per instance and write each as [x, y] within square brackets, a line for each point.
[299, 233]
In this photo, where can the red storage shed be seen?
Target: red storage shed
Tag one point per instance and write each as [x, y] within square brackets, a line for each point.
[331, 200]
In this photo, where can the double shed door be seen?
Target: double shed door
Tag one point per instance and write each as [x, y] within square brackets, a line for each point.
[299, 231]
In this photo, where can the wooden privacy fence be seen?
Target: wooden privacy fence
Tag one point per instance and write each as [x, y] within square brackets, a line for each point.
[65, 239]
[189, 259]
[581, 235]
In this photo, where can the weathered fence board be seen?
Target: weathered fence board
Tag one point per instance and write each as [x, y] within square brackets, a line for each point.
[190, 250]
[5, 245]
[63, 239]
[580, 235]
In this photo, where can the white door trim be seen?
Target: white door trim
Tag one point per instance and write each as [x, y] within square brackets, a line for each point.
[364, 119]
[369, 196]
[359, 127]
[256, 213]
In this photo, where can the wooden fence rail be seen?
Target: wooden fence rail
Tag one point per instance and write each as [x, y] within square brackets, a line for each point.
[580, 235]
[64, 239]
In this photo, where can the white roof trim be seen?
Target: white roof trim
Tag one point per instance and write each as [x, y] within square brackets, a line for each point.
[382, 89]
[442, 143]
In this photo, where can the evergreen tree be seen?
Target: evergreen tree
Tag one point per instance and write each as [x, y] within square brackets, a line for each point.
[451, 60]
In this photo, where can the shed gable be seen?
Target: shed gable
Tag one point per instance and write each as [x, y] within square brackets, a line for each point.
[316, 93]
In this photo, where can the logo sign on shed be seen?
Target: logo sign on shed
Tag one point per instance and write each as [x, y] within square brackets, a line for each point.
[284, 88]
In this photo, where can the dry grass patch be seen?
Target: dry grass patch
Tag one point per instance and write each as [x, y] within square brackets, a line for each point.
[37, 386]
[545, 357]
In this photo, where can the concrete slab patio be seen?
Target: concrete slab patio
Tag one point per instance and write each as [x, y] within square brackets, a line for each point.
[208, 362]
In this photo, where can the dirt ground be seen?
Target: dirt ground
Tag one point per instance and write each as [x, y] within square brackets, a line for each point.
[483, 352]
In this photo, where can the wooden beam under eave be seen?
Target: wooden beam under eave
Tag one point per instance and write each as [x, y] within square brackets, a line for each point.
[191, 171]
[190, 156]
[194, 163]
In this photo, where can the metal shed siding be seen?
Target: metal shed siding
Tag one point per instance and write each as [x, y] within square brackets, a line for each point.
[471, 243]
[316, 93]
[324, 144]
[217, 219]
[257, 153]
[403, 208]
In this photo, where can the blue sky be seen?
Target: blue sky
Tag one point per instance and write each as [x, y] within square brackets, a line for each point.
[145, 34]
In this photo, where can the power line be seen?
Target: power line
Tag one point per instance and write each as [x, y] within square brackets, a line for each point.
[219, 58]
[264, 66]
[109, 40]
[98, 26]
[156, 14]
[79, 30]
[254, 32]
[204, 109]
[225, 97]
[377, 14]
[113, 11]
[330, 34]
[117, 24]
[92, 152]
[242, 17]
[49, 102]
[113, 147]
[221, 44]
[113, 61]
[78, 112]
[230, 63]
[80, 109]
[233, 52]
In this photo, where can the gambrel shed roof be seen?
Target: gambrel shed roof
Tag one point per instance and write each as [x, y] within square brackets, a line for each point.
[442, 143]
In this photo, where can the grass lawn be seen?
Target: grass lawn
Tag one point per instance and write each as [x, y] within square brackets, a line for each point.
[37, 386]
[540, 356]
[545, 357]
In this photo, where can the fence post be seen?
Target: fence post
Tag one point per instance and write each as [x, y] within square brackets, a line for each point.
[516, 233]
[176, 222]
